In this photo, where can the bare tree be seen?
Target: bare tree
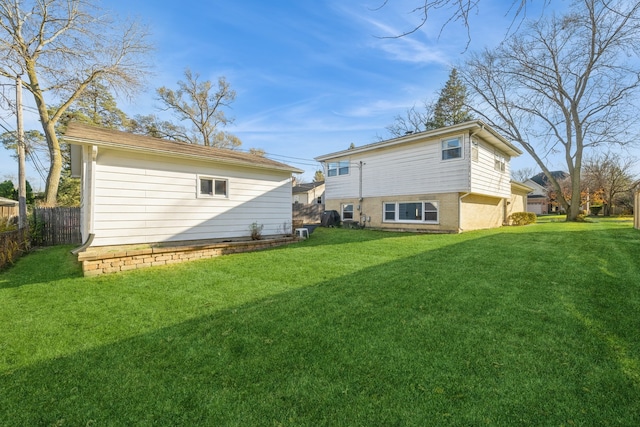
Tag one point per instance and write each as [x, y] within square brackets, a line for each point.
[412, 121]
[194, 102]
[458, 11]
[609, 175]
[450, 108]
[521, 175]
[566, 84]
[62, 46]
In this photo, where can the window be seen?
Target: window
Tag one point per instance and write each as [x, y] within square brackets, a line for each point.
[347, 212]
[389, 211]
[499, 162]
[451, 149]
[409, 211]
[475, 150]
[338, 168]
[413, 212]
[213, 187]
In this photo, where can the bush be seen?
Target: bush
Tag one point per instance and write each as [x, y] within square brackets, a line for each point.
[256, 231]
[522, 218]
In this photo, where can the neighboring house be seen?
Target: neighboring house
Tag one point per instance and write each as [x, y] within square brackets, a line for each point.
[311, 193]
[138, 189]
[8, 208]
[539, 201]
[450, 179]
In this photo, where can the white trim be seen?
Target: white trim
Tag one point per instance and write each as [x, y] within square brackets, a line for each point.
[396, 211]
[212, 195]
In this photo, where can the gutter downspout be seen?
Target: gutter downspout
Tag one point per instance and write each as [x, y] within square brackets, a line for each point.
[88, 202]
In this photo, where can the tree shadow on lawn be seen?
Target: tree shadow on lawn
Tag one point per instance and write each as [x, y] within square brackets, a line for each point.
[454, 336]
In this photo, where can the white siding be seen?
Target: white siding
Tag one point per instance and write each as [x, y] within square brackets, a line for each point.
[410, 169]
[147, 199]
[485, 179]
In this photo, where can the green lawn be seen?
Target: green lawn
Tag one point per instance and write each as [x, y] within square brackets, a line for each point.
[535, 325]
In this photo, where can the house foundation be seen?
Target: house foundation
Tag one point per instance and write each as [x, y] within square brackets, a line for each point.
[112, 259]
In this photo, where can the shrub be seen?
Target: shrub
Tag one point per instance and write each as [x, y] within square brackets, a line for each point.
[522, 218]
[256, 231]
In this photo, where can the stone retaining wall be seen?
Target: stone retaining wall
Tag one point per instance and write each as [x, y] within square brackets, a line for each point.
[96, 261]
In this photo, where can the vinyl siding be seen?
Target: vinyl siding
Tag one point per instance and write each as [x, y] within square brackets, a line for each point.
[146, 199]
[411, 169]
[485, 179]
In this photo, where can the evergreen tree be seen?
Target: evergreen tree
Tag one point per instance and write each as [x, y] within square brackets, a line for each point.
[451, 106]
[7, 190]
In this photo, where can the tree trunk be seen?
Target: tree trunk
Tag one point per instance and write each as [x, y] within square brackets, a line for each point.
[48, 127]
[53, 178]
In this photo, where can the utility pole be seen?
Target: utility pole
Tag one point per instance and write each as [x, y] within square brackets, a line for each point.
[22, 189]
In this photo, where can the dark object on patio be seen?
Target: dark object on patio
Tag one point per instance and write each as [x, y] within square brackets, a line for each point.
[330, 219]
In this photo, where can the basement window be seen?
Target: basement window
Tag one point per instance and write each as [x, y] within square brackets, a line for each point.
[347, 212]
[425, 212]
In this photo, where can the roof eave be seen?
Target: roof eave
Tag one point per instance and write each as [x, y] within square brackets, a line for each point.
[489, 133]
[121, 146]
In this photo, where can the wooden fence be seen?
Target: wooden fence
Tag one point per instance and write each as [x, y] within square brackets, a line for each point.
[309, 214]
[8, 211]
[55, 226]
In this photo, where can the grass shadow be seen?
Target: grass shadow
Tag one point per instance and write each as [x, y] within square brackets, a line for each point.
[456, 335]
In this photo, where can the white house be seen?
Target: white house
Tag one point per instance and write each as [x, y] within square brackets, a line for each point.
[451, 179]
[138, 189]
[309, 193]
[539, 200]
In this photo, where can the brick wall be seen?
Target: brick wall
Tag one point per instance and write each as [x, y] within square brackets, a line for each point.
[96, 261]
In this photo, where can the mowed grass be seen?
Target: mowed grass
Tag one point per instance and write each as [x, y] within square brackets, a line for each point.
[535, 325]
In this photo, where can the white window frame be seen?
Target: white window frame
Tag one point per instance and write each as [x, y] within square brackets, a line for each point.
[338, 168]
[499, 161]
[426, 207]
[343, 210]
[214, 180]
[444, 148]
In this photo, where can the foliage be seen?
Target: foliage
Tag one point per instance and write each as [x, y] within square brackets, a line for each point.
[194, 102]
[13, 243]
[69, 191]
[255, 230]
[318, 176]
[565, 84]
[8, 224]
[543, 328]
[451, 107]
[522, 218]
[9, 191]
[257, 152]
[61, 47]
[33, 140]
[607, 177]
[96, 105]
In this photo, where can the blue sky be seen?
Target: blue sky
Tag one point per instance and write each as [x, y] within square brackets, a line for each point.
[311, 77]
